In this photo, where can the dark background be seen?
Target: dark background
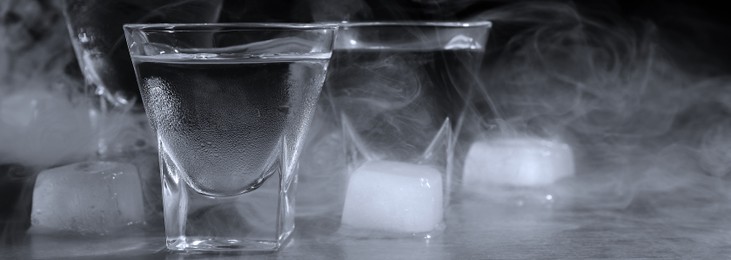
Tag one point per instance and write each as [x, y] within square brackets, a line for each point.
[701, 29]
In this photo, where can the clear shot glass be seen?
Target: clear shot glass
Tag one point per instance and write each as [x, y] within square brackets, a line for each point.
[230, 104]
[95, 30]
[397, 91]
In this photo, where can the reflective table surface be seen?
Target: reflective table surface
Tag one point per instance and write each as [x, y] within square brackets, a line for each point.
[688, 221]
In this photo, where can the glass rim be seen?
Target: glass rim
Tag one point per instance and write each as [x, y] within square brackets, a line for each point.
[208, 26]
[445, 24]
[304, 26]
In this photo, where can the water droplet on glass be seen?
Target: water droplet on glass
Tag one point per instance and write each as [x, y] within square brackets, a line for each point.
[83, 37]
[462, 42]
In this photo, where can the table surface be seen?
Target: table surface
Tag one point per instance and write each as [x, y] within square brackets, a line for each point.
[687, 221]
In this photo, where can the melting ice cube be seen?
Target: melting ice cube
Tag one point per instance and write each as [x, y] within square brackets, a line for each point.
[517, 162]
[394, 196]
[88, 197]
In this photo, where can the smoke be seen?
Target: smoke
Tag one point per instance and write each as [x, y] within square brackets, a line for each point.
[42, 105]
[649, 127]
[570, 76]
[27, 24]
[645, 110]
[609, 85]
[643, 105]
[46, 112]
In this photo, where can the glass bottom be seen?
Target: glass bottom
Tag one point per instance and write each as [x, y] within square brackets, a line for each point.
[220, 244]
[260, 220]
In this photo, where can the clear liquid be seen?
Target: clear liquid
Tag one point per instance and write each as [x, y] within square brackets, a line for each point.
[221, 122]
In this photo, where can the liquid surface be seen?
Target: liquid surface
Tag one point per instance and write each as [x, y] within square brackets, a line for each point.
[220, 122]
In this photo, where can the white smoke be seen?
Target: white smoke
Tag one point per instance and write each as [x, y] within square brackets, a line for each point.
[43, 111]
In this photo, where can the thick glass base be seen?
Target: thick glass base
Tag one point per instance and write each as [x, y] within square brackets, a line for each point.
[258, 220]
[220, 244]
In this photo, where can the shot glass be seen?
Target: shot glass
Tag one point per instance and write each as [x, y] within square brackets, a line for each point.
[397, 89]
[95, 27]
[95, 30]
[230, 104]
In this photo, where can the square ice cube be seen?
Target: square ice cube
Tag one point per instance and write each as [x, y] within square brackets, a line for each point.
[395, 197]
[88, 197]
[517, 162]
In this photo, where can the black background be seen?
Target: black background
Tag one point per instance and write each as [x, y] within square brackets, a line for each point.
[699, 31]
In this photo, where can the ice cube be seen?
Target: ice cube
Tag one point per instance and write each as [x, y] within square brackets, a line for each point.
[517, 162]
[394, 197]
[89, 197]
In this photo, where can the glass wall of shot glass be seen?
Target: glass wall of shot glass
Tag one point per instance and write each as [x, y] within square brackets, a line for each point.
[230, 104]
[396, 91]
